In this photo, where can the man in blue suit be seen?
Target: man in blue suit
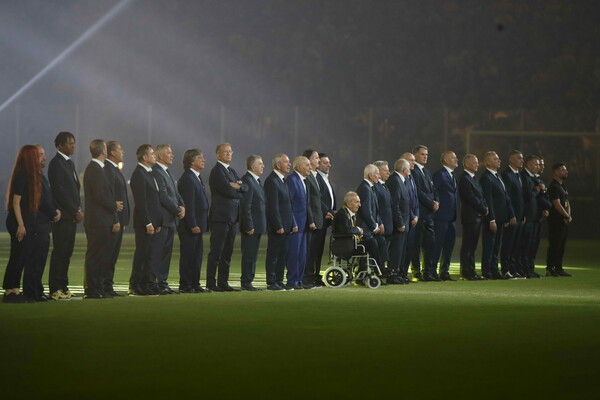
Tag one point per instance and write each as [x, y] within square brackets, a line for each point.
[226, 190]
[396, 184]
[428, 205]
[444, 219]
[509, 259]
[194, 224]
[172, 208]
[253, 219]
[280, 222]
[298, 190]
[499, 217]
[411, 237]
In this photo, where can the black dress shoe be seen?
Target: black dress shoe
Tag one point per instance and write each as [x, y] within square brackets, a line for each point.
[395, 280]
[93, 295]
[216, 288]
[562, 272]
[275, 287]
[228, 288]
[14, 298]
[287, 286]
[418, 276]
[249, 288]
[308, 286]
[446, 277]
[429, 278]
[200, 289]
[186, 289]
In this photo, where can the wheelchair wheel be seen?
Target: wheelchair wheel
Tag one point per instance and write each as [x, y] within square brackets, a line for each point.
[373, 282]
[335, 276]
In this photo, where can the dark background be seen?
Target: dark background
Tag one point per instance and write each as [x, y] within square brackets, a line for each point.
[359, 80]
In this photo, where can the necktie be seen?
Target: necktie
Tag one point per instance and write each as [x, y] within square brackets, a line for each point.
[72, 166]
[353, 219]
[502, 183]
[519, 178]
[258, 180]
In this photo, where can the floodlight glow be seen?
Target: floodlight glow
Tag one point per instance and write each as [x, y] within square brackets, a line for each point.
[86, 35]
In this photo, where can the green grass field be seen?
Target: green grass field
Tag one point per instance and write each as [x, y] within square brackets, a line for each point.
[523, 339]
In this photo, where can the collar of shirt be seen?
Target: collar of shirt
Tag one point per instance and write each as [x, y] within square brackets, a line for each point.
[314, 173]
[472, 175]
[146, 168]
[302, 177]
[279, 174]
[528, 172]
[369, 182]
[323, 174]
[112, 162]
[197, 173]
[402, 178]
[420, 166]
[350, 212]
[64, 155]
[450, 170]
[382, 182]
[100, 163]
[492, 171]
[223, 164]
[516, 171]
[253, 175]
[162, 165]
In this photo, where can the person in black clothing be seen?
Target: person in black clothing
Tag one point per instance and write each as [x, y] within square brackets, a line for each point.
[65, 191]
[101, 223]
[31, 210]
[119, 186]
[558, 221]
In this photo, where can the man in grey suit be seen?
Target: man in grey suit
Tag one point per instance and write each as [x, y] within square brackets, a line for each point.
[253, 219]
[172, 208]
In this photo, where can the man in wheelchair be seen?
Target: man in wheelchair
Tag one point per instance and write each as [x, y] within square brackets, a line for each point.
[347, 233]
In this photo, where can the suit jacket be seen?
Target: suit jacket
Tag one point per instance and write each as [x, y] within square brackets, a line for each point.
[326, 196]
[278, 205]
[253, 214]
[100, 206]
[65, 186]
[496, 197]
[191, 189]
[368, 214]
[317, 211]
[543, 201]
[147, 209]
[411, 186]
[342, 224]
[170, 199]
[225, 199]
[426, 191]
[119, 187]
[299, 199]
[446, 188]
[473, 204]
[530, 204]
[400, 200]
[514, 187]
[385, 207]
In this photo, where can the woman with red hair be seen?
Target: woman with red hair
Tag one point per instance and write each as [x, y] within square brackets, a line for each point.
[30, 213]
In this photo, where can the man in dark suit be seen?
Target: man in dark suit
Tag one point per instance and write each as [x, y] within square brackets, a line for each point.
[396, 183]
[173, 209]
[147, 220]
[389, 214]
[543, 207]
[65, 190]
[317, 217]
[509, 257]
[101, 223]
[119, 187]
[531, 192]
[444, 219]
[329, 206]
[428, 205]
[500, 215]
[411, 237]
[298, 190]
[473, 208]
[368, 215]
[253, 219]
[280, 222]
[226, 190]
[194, 224]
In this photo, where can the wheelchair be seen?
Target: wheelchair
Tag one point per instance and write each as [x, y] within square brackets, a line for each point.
[350, 262]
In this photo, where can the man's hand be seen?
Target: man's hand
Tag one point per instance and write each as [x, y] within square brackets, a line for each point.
[150, 229]
[295, 229]
[196, 230]
[57, 216]
[236, 185]
[402, 228]
[119, 206]
[329, 216]
[79, 216]
[545, 213]
[493, 227]
[312, 226]
[436, 205]
[513, 221]
[280, 231]
[414, 221]
[250, 232]
[116, 227]
[181, 212]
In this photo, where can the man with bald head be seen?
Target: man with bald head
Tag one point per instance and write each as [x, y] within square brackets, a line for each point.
[499, 217]
[445, 217]
[280, 221]
[298, 189]
[473, 209]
